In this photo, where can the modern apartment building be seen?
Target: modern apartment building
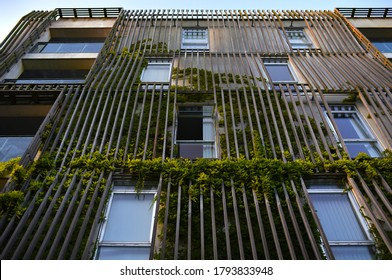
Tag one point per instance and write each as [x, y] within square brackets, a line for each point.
[196, 134]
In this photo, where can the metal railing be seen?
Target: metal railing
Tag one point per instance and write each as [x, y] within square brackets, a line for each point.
[369, 47]
[88, 12]
[366, 12]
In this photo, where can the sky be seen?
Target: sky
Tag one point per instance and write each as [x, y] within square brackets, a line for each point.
[13, 10]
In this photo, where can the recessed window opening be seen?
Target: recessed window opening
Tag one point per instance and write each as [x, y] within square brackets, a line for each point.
[156, 72]
[43, 76]
[280, 72]
[355, 133]
[16, 134]
[346, 230]
[69, 45]
[194, 38]
[127, 231]
[298, 38]
[196, 132]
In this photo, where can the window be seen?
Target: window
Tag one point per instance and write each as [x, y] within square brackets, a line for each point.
[380, 38]
[355, 133]
[343, 225]
[68, 47]
[16, 134]
[11, 147]
[156, 72]
[383, 46]
[196, 132]
[58, 76]
[194, 38]
[298, 38]
[280, 72]
[127, 231]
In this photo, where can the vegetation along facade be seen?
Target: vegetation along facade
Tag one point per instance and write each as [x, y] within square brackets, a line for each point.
[196, 134]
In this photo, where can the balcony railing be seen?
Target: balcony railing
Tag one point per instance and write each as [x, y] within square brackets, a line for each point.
[366, 12]
[88, 12]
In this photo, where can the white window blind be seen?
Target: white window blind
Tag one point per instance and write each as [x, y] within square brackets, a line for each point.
[345, 229]
[156, 73]
[126, 233]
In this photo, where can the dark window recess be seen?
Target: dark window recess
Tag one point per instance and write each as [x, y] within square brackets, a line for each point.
[195, 132]
[53, 74]
[76, 40]
[19, 126]
[190, 125]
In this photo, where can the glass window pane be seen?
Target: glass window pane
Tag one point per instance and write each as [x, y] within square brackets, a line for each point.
[323, 186]
[363, 147]
[54, 81]
[11, 147]
[384, 47]
[352, 252]
[194, 39]
[337, 217]
[38, 48]
[129, 218]
[67, 47]
[51, 48]
[280, 73]
[208, 129]
[92, 47]
[71, 48]
[156, 73]
[191, 150]
[350, 128]
[209, 151]
[298, 39]
[123, 253]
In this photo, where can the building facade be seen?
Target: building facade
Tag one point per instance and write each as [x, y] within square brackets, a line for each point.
[202, 134]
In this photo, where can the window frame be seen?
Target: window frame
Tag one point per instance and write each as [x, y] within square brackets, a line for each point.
[335, 188]
[189, 44]
[213, 143]
[352, 110]
[128, 190]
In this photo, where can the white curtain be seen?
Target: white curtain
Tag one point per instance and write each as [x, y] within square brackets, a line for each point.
[208, 133]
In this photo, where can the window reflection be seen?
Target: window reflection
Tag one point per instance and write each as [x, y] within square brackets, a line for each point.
[68, 47]
[280, 72]
[345, 229]
[356, 135]
[11, 147]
